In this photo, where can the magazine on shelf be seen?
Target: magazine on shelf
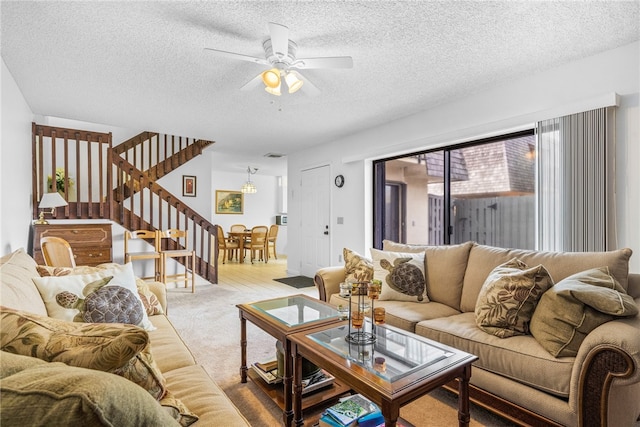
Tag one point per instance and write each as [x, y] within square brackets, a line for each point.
[350, 409]
[269, 374]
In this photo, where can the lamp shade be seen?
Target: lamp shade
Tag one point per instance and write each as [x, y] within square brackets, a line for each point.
[249, 188]
[293, 82]
[52, 200]
[271, 78]
[273, 90]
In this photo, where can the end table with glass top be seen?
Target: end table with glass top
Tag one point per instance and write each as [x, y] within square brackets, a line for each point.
[395, 369]
[281, 317]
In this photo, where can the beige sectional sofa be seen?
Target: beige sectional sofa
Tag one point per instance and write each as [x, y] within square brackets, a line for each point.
[516, 377]
[91, 397]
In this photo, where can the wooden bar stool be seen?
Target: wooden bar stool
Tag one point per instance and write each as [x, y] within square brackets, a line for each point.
[177, 250]
[150, 237]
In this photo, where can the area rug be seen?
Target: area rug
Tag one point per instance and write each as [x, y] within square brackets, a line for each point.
[297, 282]
[209, 324]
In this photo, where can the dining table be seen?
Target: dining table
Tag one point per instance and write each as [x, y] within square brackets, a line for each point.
[240, 236]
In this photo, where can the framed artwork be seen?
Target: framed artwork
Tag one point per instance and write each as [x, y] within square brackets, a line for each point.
[229, 202]
[188, 185]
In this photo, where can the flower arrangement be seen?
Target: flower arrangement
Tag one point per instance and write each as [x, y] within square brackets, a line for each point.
[60, 180]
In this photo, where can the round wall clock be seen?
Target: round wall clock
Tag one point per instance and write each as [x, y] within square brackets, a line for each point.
[339, 181]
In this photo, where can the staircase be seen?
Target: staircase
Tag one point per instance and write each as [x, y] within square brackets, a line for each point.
[119, 184]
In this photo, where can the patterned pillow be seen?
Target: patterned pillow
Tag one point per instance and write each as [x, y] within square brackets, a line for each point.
[117, 348]
[50, 286]
[178, 410]
[402, 275]
[356, 267]
[149, 300]
[509, 297]
[55, 394]
[577, 305]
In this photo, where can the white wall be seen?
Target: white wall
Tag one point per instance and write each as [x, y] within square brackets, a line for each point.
[15, 166]
[567, 89]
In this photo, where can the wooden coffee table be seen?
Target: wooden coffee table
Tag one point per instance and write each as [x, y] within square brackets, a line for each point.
[412, 367]
[280, 317]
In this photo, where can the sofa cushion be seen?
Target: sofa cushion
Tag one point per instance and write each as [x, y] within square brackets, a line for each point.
[404, 314]
[509, 296]
[577, 305]
[402, 275]
[17, 290]
[50, 287]
[40, 393]
[169, 351]
[178, 410]
[116, 348]
[520, 358]
[483, 259]
[444, 266]
[357, 268]
[149, 300]
[193, 386]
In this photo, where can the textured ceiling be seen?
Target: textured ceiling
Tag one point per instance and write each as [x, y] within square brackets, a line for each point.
[141, 65]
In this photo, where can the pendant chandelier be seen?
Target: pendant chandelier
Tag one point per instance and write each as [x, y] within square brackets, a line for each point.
[249, 187]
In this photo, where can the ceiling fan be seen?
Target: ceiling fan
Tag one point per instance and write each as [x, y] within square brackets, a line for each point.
[280, 57]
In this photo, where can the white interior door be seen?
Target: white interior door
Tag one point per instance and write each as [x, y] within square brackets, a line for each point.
[315, 243]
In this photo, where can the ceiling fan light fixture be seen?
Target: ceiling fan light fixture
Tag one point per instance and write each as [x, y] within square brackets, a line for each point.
[274, 90]
[271, 78]
[293, 82]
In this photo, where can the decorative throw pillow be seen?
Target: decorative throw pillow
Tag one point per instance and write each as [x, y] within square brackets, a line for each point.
[509, 296]
[50, 287]
[402, 275]
[356, 267]
[577, 305]
[178, 410]
[149, 300]
[116, 348]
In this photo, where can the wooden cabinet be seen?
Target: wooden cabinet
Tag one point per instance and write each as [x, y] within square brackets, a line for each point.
[91, 242]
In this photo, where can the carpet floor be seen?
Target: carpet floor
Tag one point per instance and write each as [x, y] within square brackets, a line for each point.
[209, 324]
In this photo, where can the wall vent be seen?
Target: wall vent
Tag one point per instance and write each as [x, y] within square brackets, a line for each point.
[274, 155]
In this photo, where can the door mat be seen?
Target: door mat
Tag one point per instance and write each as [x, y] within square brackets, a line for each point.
[297, 281]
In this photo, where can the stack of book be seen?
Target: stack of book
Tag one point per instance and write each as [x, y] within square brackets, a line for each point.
[354, 410]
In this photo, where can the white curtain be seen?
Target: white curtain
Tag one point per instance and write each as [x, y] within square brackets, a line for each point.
[574, 168]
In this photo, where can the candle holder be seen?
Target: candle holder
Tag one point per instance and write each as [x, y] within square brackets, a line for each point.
[357, 318]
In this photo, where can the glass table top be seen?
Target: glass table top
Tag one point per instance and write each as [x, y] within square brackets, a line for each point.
[296, 310]
[392, 356]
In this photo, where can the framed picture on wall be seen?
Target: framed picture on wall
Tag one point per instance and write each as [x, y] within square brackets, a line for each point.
[229, 202]
[188, 186]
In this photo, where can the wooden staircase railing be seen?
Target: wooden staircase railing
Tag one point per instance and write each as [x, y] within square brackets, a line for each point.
[92, 175]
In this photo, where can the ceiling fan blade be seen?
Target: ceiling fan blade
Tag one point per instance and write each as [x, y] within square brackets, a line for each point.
[279, 39]
[234, 55]
[253, 83]
[326, 62]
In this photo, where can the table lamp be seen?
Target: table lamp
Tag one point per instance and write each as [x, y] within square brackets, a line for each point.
[52, 201]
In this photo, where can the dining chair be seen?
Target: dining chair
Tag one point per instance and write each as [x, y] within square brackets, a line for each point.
[257, 242]
[57, 252]
[271, 240]
[238, 228]
[227, 245]
[150, 237]
[176, 249]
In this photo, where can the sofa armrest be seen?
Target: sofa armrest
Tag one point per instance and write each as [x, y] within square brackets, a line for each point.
[609, 357]
[160, 291]
[328, 281]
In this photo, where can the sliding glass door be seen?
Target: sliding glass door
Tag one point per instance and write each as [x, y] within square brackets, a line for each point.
[482, 191]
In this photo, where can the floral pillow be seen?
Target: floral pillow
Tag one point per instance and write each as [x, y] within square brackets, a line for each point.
[117, 348]
[509, 297]
[402, 275]
[356, 267]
